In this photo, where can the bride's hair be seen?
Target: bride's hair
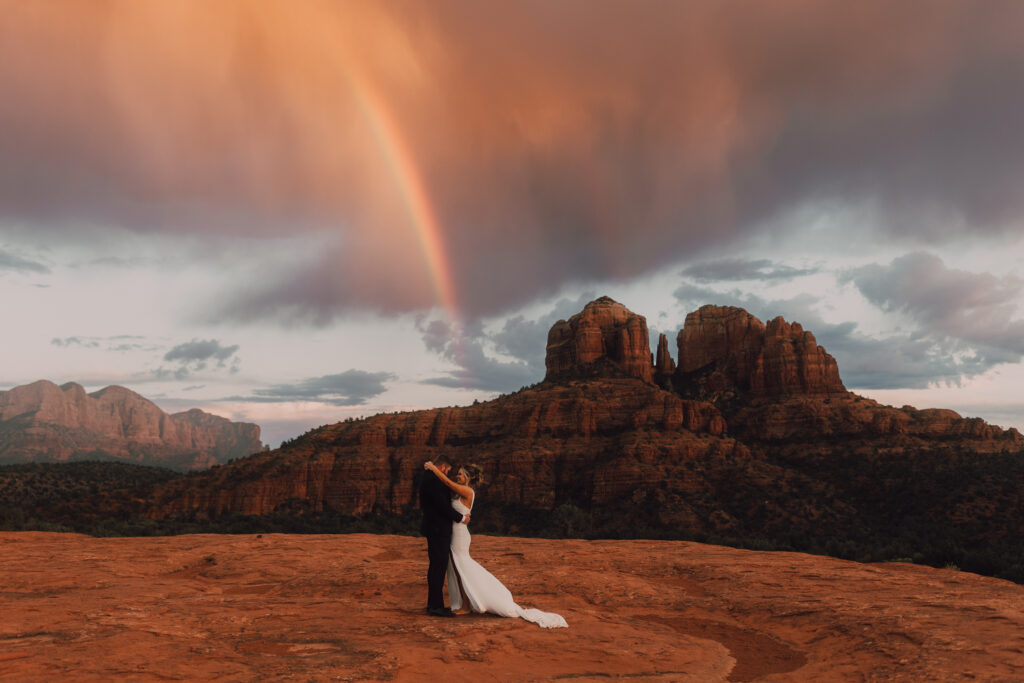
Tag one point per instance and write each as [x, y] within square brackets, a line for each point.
[474, 472]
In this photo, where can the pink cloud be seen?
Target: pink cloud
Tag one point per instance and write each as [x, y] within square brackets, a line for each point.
[557, 142]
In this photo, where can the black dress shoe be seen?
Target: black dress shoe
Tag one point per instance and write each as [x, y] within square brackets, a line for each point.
[440, 612]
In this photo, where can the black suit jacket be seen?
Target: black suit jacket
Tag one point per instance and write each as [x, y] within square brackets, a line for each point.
[436, 504]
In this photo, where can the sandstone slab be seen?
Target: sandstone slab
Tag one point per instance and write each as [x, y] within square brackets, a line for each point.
[282, 607]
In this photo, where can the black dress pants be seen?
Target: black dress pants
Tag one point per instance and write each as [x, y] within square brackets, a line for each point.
[438, 549]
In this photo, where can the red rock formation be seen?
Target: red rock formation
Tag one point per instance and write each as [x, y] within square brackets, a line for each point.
[723, 348]
[216, 436]
[43, 422]
[610, 442]
[605, 438]
[603, 329]
[725, 335]
[631, 455]
[663, 364]
[849, 415]
[531, 445]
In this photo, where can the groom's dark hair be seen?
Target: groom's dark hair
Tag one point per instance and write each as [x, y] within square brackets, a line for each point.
[442, 461]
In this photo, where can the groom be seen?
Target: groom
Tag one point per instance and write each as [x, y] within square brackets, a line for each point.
[438, 515]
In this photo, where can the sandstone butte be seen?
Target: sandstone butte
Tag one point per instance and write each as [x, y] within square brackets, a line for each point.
[43, 422]
[349, 608]
[611, 429]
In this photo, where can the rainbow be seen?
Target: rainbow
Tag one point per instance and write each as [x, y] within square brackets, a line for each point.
[423, 218]
[409, 182]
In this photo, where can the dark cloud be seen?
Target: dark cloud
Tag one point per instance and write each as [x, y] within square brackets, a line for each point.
[526, 340]
[127, 263]
[798, 308]
[976, 311]
[743, 269]
[349, 388]
[474, 368]
[74, 341]
[521, 339]
[196, 355]
[896, 361]
[552, 143]
[201, 350]
[899, 361]
[13, 262]
[119, 342]
[180, 373]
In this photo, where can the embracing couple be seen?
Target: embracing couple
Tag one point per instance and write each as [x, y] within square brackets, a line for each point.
[446, 506]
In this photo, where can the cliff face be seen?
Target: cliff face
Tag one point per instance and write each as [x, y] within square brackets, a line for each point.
[850, 416]
[725, 349]
[218, 436]
[664, 365]
[44, 422]
[538, 448]
[604, 329]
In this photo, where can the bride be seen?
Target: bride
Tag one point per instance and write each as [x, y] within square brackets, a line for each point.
[466, 577]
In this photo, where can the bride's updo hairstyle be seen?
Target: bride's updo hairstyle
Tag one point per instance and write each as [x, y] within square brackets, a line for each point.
[475, 474]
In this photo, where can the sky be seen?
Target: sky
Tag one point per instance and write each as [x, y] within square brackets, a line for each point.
[294, 213]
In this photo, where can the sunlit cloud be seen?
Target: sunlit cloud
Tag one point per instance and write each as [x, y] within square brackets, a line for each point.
[474, 150]
[423, 190]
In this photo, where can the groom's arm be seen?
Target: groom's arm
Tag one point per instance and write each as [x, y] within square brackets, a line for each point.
[439, 498]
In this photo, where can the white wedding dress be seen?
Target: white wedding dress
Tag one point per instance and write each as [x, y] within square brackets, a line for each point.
[482, 591]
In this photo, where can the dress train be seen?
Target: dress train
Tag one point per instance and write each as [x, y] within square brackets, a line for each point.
[482, 591]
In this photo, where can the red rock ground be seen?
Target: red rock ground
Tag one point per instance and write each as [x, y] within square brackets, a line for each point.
[349, 608]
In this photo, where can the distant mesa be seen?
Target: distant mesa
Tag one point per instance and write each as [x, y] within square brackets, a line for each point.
[43, 422]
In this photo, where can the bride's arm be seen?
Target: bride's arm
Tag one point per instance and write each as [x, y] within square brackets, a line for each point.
[460, 489]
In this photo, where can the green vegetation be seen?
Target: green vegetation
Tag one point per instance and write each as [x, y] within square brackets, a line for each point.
[75, 496]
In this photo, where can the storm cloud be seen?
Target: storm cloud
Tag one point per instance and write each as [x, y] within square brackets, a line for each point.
[65, 342]
[119, 343]
[936, 347]
[349, 388]
[474, 368]
[13, 262]
[743, 269]
[476, 353]
[196, 355]
[201, 350]
[977, 311]
[660, 129]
